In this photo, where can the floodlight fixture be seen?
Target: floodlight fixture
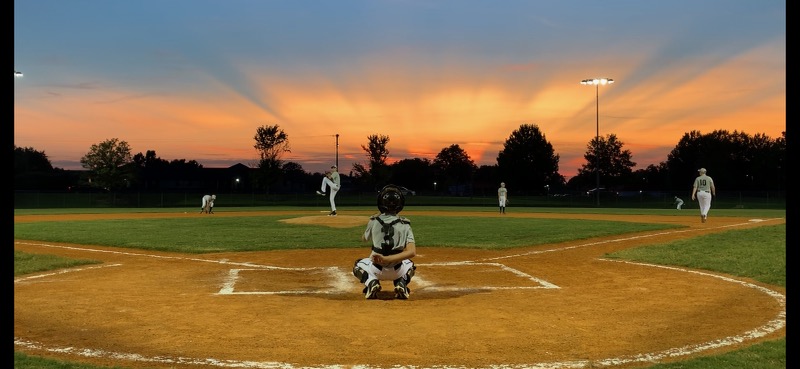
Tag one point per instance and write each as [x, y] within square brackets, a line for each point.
[597, 82]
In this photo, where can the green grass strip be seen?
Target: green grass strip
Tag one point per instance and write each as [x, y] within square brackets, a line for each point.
[260, 233]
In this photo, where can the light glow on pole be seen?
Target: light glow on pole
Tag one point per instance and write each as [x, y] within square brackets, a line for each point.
[597, 82]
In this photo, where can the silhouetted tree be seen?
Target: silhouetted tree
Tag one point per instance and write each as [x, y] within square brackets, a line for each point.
[487, 179]
[271, 143]
[33, 171]
[109, 164]
[606, 155]
[454, 168]
[376, 172]
[648, 179]
[415, 174]
[736, 160]
[295, 178]
[528, 161]
[151, 171]
[28, 159]
[777, 156]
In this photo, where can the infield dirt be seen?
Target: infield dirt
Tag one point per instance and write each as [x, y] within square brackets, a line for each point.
[560, 304]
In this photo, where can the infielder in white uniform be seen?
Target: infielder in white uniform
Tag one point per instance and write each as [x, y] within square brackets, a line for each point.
[207, 205]
[393, 247]
[333, 181]
[678, 202]
[703, 190]
[502, 197]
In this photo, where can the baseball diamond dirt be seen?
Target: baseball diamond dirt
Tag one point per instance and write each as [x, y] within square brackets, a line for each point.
[551, 306]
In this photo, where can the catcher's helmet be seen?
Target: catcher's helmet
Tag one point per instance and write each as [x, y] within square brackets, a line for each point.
[391, 199]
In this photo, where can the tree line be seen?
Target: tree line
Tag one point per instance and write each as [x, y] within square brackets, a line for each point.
[527, 163]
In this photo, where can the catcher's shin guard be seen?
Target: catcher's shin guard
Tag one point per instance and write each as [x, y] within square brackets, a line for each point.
[409, 274]
[401, 289]
[361, 274]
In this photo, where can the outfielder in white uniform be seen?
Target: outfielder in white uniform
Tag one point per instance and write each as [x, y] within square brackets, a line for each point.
[393, 247]
[207, 205]
[333, 181]
[502, 197]
[703, 190]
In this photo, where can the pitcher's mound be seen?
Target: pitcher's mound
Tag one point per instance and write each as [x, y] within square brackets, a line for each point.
[339, 221]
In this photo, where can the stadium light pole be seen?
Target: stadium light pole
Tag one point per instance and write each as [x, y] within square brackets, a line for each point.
[337, 151]
[597, 82]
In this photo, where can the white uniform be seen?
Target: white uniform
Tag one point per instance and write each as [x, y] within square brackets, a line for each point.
[207, 205]
[335, 183]
[703, 189]
[678, 202]
[502, 196]
[388, 238]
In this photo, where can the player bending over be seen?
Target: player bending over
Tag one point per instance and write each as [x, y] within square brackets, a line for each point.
[207, 205]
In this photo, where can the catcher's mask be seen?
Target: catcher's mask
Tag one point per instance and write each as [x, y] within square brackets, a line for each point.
[391, 199]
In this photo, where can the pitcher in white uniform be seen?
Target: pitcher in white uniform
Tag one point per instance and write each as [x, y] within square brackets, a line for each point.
[332, 181]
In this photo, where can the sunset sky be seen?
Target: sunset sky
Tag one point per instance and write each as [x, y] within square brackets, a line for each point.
[193, 79]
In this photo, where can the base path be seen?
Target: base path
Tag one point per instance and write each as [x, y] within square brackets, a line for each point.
[548, 306]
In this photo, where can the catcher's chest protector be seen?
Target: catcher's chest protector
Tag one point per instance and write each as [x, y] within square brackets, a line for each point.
[387, 245]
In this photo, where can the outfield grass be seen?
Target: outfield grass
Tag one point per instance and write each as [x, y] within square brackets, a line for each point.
[266, 232]
[763, 213]
[757, 253]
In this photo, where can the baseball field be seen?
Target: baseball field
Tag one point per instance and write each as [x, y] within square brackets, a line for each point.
[273, 288]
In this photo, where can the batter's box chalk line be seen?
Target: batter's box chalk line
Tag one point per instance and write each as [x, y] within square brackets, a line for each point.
[335, 280]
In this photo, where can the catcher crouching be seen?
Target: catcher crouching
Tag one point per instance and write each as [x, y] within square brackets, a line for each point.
[392, 247]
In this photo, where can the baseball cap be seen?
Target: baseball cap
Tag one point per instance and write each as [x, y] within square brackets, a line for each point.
[333, 167]
[702, 170]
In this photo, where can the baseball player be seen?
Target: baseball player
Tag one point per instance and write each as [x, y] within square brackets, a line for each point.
[703, 190]
[502, 197]
[207, 205]
[333, 181]
[393, 247]
[678, 202]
